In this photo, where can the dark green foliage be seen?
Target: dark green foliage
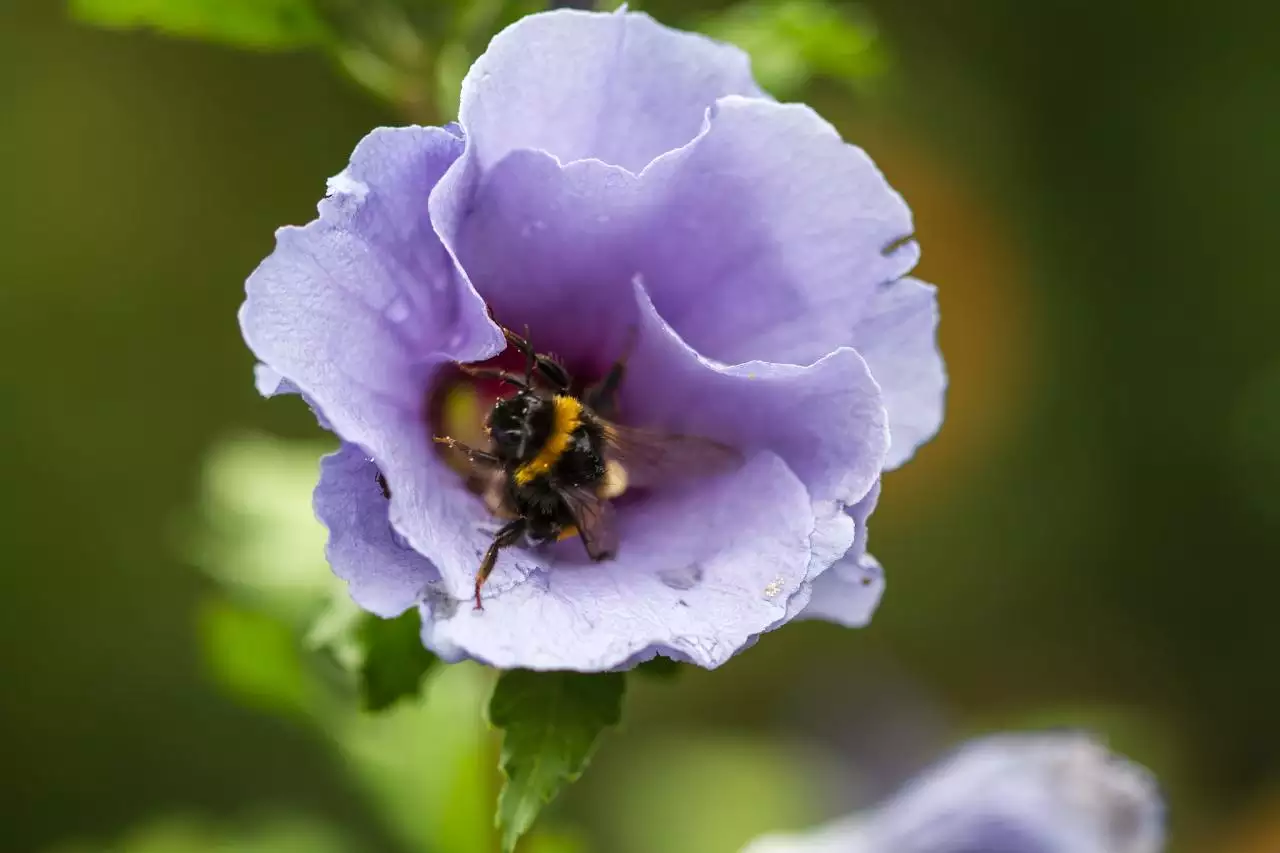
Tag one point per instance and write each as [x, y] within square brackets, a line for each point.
[550, 722]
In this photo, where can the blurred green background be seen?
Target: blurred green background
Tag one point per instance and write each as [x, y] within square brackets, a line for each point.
[1092, 539]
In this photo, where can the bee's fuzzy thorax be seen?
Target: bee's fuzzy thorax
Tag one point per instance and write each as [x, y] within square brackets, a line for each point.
[568, 416]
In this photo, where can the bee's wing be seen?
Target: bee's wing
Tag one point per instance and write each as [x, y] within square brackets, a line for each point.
[593, 516]
[652, 457]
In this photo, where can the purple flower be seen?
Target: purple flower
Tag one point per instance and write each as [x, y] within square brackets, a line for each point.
[1052, 793]
[609, 177]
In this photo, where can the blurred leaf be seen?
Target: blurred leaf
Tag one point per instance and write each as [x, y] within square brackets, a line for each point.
[554, 841]
[258, 535]
[709, 792]
[551, 721]
[427, 763]
[181, 835]
[261, 24]
[255, 658]
[395, 660]
[792, 41]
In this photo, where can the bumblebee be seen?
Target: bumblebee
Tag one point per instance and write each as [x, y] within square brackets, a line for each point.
[555, 461]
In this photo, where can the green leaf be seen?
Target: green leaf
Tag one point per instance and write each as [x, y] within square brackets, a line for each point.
[792, 41]
[189, 835]
[426, 765]
[395, 661]
[551, 721]
[254, 657]
[261, 24]
[256, 533]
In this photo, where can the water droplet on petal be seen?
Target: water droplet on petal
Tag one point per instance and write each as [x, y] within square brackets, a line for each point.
[602, 218]
[682, 578]
[397, 310]
[539, 225]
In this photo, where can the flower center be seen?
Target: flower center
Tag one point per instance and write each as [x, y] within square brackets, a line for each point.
[461, 402]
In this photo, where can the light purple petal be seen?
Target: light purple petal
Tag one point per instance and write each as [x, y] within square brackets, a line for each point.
[385, 576]
[1064, 788]
[360, 308]
[686, 580]
[269, 383]
[825, 419]
[541, 248]
[351, 307]
[767, 237]
[771, 235]
[619, 88]
[1050, 793]
[897, 337]
[849, 592]
[762, 239]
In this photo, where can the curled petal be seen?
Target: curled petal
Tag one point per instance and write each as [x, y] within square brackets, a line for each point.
[350, 308]
[360, 308]
[826, 419]
[849, 592]
[617, 88]
[897, 337]
[270, 383]
[686, 582]
[385, 576]
[748, 249]
[773, 236]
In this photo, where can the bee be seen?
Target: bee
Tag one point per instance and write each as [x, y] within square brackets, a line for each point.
[555, 462]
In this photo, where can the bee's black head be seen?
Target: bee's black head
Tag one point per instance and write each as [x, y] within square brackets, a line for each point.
[518, 425]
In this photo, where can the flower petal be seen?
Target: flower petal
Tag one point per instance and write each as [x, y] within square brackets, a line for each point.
[1049, 793]
[556, 248]
[686, 582]
[619, 88]
[764, 238]
[350, 307]
[897, 337]
[360, 308]
[385, 576]
[1065, 789]
[771, 235]
[849, 592]
[825, 419]
[269, 383]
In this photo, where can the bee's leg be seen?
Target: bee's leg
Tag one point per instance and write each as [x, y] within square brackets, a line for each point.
[507, 535]
[478, 458]
[549, 369]
[602, 397]
[500, 375]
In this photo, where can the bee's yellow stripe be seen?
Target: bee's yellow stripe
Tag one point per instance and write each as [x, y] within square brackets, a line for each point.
[568, 417]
